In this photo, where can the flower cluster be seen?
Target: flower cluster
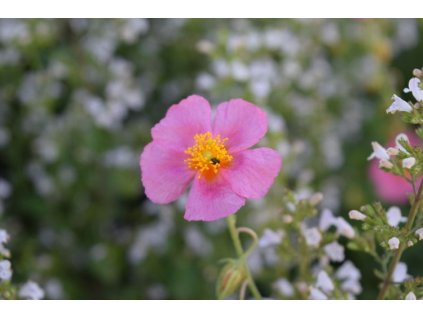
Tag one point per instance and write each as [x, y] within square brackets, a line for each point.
[400, 181]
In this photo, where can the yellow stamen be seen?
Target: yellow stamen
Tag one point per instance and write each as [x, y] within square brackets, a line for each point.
[208, 155]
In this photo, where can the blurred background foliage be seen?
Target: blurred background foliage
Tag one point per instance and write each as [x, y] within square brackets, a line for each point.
[78, 99]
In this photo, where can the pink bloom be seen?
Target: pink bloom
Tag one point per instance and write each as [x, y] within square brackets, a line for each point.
[391, 188]
[188, 147]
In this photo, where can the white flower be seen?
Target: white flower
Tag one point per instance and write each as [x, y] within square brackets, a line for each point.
[400, 273]
[316, 294]
[408, 163]
[312, 236]
[394, 243]
[356, 215]
[385, 164]
[410, 296]
[31, 290]
[4, 236]
[324, 282]
[378, 152]
[271, 238]
[335, 251]
[413, 87]
[397, 142]
[419, 233]
[326, 220]
[352, 285]
[399, 104]
[284, 287]
[5, 270]
[394, 216]
[344, 228]
[348, 271]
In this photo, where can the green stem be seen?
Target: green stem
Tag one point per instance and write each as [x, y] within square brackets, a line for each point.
[240, 252]
[397, 257]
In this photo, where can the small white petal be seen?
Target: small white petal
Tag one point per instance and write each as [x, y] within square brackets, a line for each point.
[378, 152]
[335, 251]
[312, 236]
[326, 220]
[408, 163]
[356, 215]
[413, 87]
[400, 273]
[324, 282]
[419, 233]
[399, 104]
[352, 285]
[284, 287]
[31, 290]
[348, 271]
[410, 296]
[344, 228]
[394, 216]
[394, 243]
[271, 238]
[316, 294]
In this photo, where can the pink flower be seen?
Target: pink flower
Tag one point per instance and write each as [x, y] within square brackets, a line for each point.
[188, 147]
[391, 188]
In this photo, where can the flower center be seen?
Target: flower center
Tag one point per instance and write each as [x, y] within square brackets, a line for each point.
[208, 155]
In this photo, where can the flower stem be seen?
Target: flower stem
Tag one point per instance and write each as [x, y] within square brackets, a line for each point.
[240, 252]
[412, 215]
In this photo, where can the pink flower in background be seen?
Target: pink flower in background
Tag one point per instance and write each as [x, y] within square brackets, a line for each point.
[391, 188]
[189, 147]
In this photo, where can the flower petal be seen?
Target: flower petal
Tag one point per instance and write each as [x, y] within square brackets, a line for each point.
[252, 172]
[163, 172]
[243, 123]
[211, 200]
[182, 121]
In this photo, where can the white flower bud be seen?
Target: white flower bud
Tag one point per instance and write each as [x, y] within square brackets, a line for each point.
[408, 163]
[410, 243]
[417, 72]
[356, 215]
[419, 233]
[392, 151]
[394, 243]
[287, 219]
[385, 164]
